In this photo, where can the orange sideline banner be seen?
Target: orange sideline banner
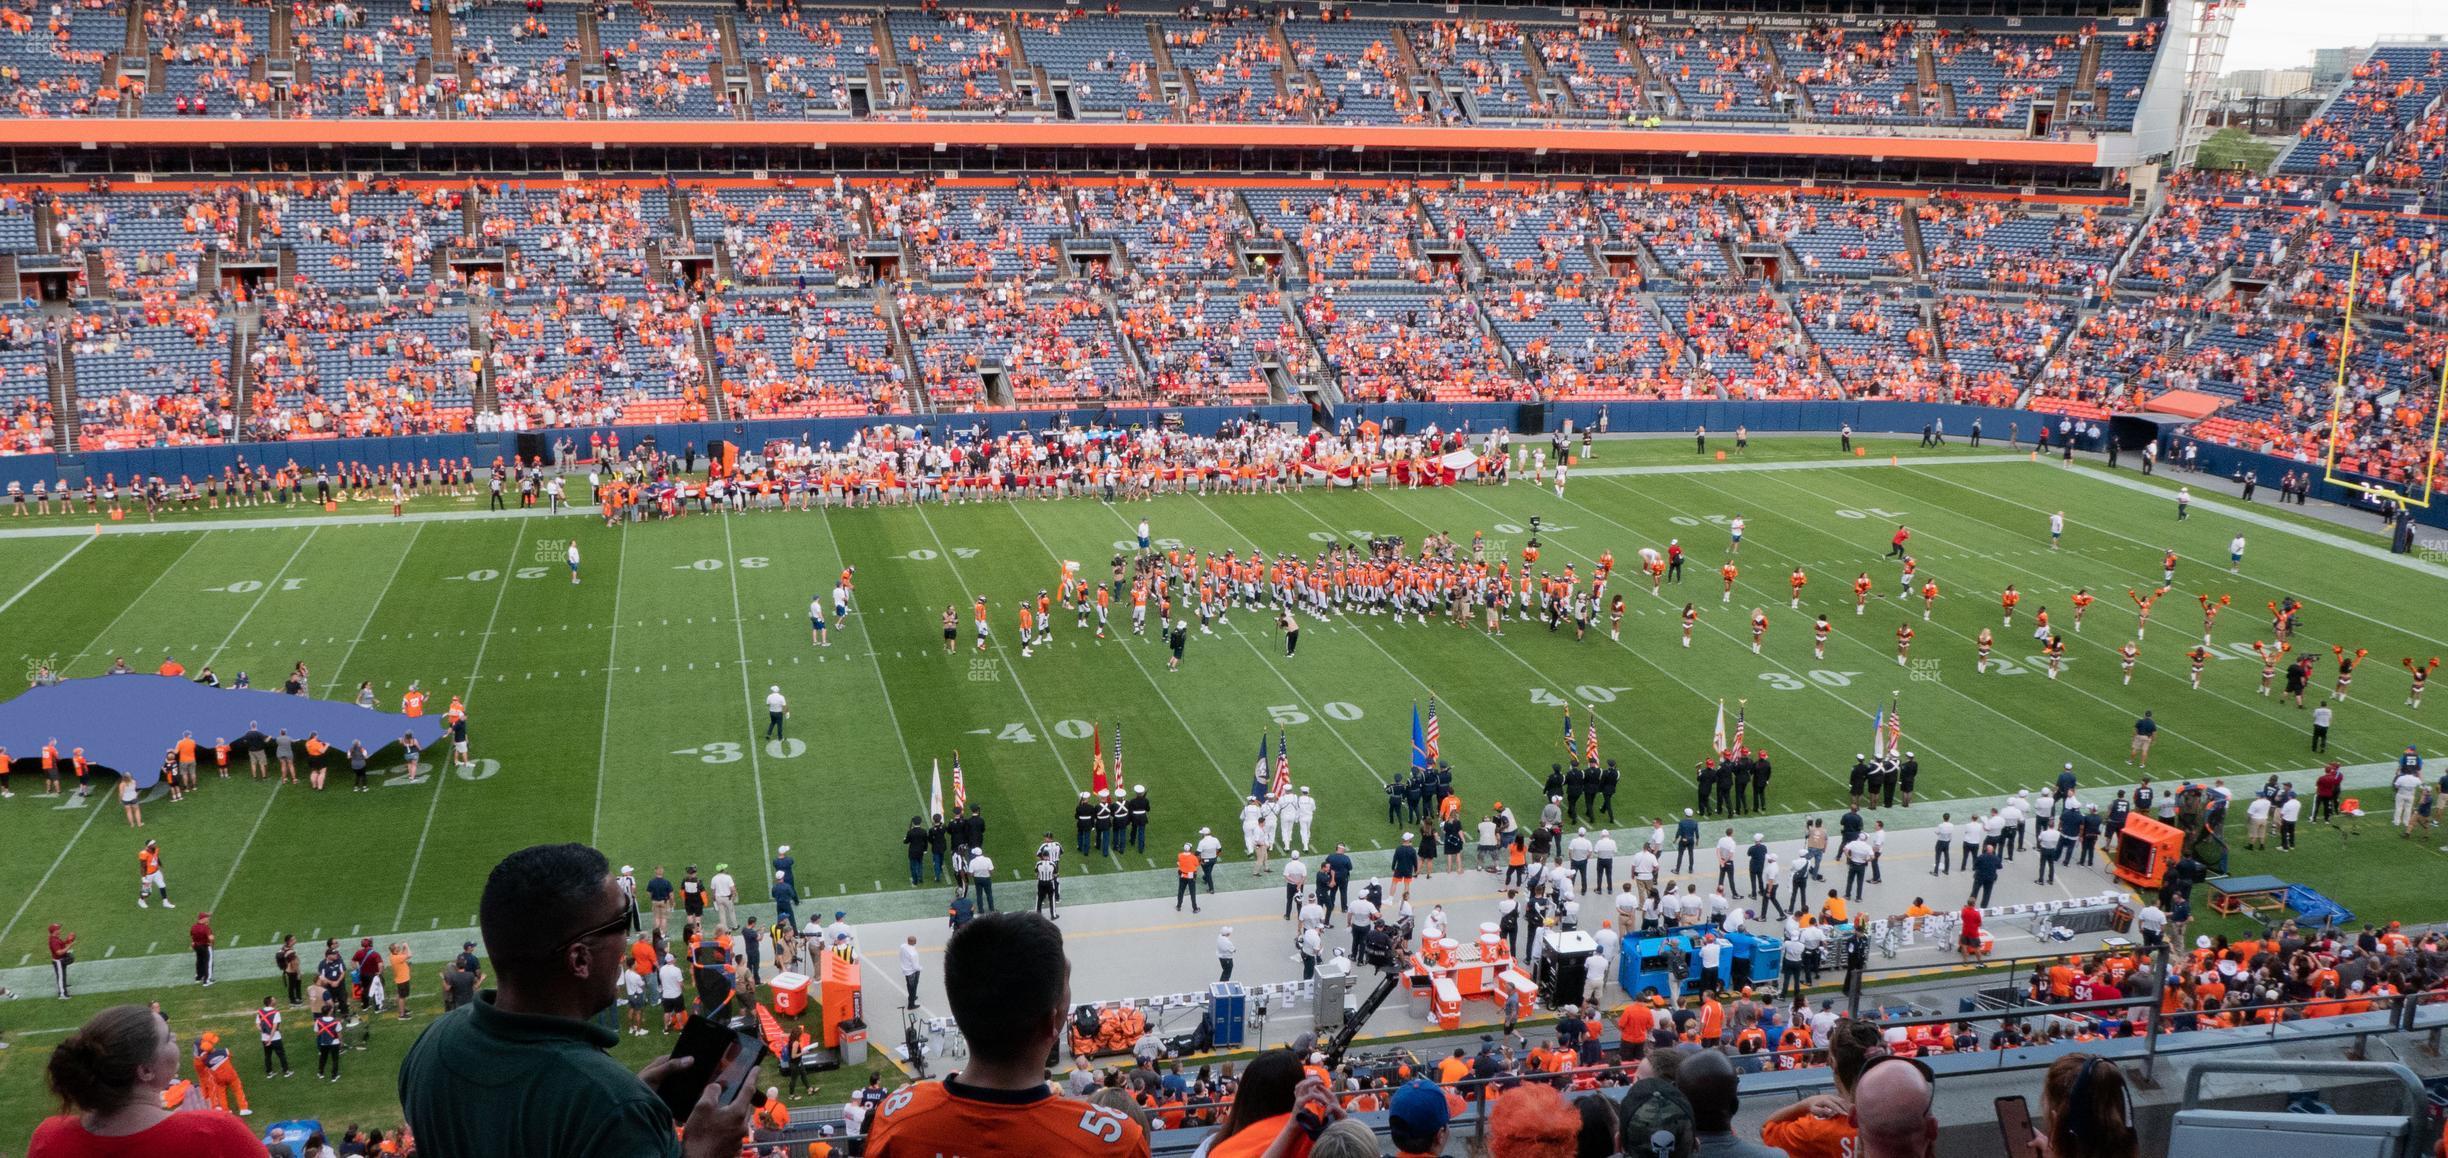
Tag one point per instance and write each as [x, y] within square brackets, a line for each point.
[150, 131]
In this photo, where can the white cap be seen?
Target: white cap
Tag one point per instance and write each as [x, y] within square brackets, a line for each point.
[1104, 793]
[1138, 787]
[1185, 848]
[1304, 790]
[782, 851]
[1756, 837]
[777, 874]
[1555, 800]
[1227, 930]
[1204, 832]
[627, 869]
[1407, 837]
[1584, 831]
[1687, 812]
[2069, 766]
[776, 687]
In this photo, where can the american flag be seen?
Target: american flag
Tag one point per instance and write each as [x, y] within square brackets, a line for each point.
[1895, 724]
[1283, 767]
[1118, 779]
[1432, 728]
[960, 788]
[1738, 728]
[1590, 754]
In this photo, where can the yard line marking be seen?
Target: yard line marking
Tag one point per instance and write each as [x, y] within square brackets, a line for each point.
[756, 762]
[1231, 788]
[824, 519]
[603, 744]
[1017, 683]
[269, 797]
[56, 565]
[1405, 669]
[79, 834]
[2171, 669]
[434, 805]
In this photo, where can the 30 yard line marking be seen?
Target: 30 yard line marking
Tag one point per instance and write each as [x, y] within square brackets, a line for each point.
[756, 762]
[96, 808]
[269, 797]
[603, 743]
[443, 777]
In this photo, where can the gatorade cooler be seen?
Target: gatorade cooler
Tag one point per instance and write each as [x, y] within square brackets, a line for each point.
[1448, 1004]
[790, 994]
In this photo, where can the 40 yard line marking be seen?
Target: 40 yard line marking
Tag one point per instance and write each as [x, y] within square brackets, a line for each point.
[756, 762]
[96, 808]
[443, 775]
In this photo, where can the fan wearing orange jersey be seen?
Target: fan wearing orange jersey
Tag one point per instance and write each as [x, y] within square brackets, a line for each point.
[1009, 986]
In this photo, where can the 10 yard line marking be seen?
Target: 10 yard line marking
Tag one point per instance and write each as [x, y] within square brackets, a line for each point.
[79, 834]
[274, 794]
[756, 764]
[442, 772]
[603, 745]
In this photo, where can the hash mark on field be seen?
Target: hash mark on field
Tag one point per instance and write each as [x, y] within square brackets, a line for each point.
[149, 948]
[111, 950]
[437, 923]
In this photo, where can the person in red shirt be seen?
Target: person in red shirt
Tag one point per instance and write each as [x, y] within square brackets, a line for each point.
[200, 938]
[63, 946]
[1969, 941]
[110, 1075]
[1009, 986]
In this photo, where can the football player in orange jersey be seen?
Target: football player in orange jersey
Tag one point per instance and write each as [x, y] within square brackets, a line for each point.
[1009, 986]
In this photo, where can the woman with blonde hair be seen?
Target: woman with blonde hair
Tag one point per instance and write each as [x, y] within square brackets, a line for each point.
[109, 1076]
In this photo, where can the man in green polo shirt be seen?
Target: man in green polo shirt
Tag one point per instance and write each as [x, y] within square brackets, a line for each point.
[522, 1071]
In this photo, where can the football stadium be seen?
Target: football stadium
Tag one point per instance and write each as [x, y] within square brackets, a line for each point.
[779, 580]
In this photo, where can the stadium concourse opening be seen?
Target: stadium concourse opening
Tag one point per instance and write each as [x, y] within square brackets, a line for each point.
[500, 351]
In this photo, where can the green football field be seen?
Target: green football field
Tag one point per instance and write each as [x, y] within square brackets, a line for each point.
[626, 711]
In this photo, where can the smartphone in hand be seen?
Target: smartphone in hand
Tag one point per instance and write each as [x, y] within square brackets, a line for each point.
[717, 1055]
[2015, 1124]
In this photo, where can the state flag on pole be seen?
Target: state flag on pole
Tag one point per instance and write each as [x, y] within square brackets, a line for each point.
[1419, 742]
[1258, 776]
[1717, 739]
[1096, 771]
[960, 787]
[1878, 735]
[935, 797]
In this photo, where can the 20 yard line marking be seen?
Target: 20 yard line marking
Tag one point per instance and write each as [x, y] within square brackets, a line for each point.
[756, 763]
[442, 777]
[269, 797]
[97, 810]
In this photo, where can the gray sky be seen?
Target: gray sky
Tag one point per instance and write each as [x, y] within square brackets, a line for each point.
[2283, 33]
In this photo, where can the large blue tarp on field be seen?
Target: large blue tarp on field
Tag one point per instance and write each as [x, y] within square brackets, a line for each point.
[127, 723]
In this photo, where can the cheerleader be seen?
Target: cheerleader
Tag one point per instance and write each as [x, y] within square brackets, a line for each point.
[1819, 636]
[1759, 629]
[2269, 662]
[1691, 615]
[2055, 650]
[1985, 641]
[2127, 656]
[2422, 675]
[2199, 656]
[1929, 599]
[1904, 637]
[2345, 668]
[2210, 611]
[1861, 593]
[2082, 603]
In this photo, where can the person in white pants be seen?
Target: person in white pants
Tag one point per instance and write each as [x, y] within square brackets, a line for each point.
[2408, 786]
[1305, 808]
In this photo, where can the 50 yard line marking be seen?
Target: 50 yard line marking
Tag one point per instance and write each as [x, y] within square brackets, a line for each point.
[442, 773]
[756, 763]
[96, 807]
[274, 794]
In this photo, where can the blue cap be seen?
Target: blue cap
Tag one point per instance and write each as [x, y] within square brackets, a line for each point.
[1419, 1107]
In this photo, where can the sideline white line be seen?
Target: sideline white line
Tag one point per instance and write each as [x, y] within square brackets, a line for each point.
[273, 524]
[756, 746]
[442, 772]
[79, 834]
[56, 565]
[1735, 467]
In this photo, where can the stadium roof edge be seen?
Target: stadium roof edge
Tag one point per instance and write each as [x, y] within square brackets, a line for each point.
[169, 131]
